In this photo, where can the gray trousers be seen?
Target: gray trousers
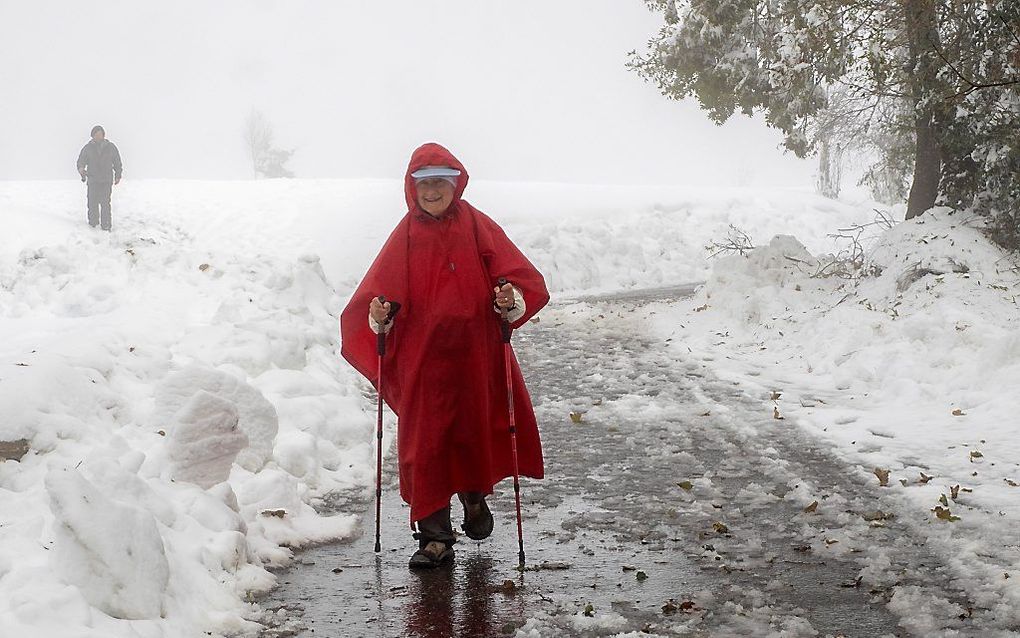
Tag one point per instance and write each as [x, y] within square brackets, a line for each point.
[437, 526]
[99, 204]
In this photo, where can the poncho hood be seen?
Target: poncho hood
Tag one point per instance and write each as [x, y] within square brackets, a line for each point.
[432, 154]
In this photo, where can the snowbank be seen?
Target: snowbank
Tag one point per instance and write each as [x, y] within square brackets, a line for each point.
[913, 370]
[185, 411]
[251, 412]
[113, 553]
[584, 238]
[205, 439]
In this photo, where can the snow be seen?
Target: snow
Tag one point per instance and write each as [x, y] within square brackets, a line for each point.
[204, 440]
[128, 360]
[111, 552]
[254, 414]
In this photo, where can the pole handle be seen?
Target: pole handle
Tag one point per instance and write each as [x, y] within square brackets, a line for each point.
[380, 339]
[504, 326]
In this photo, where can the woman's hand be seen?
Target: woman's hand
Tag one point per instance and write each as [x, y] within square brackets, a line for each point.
[504, 296]
[379, 311]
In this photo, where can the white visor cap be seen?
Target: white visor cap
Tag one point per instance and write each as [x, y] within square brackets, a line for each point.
[436, 171]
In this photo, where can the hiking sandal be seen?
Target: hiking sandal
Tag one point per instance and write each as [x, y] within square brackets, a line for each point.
[432, 555]
[478, 526]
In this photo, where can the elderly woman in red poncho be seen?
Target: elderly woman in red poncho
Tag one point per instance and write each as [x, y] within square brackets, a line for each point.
[444, 372]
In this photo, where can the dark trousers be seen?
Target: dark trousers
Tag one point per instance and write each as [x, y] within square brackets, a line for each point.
[437, 525]
[99, 204]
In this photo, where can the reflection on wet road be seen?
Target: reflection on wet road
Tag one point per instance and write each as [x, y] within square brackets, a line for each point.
[673, 507]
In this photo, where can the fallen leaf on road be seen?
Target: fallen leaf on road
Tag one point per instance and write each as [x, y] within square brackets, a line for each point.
[576, 416]
[883, 476]
[589, 610]
[641, 576]
[509, 587]
[954, 491]
[685, 485]
[776, 415]
[671, 607]
[943, 514]
[975, 455]
[924, 478]
[812, 507]
[720, 527]
[959, 412]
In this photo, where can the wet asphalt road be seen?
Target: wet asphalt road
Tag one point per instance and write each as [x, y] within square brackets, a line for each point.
[675, 507]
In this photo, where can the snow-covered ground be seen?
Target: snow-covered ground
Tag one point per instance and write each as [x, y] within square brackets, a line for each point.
[911, 374]
[179, 384]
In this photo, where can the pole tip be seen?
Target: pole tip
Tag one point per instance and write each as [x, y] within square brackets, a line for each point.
[378, 547]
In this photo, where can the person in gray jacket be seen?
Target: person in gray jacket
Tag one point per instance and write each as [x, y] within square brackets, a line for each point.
[99, 163]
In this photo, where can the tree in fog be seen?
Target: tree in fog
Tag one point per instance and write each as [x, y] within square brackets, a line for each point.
[938, 78]
[266, 159]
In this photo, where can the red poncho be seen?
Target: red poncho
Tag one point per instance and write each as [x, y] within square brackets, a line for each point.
[443, 373]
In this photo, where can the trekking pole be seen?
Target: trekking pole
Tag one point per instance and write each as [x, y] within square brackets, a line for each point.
[380, 342]
[507, 357]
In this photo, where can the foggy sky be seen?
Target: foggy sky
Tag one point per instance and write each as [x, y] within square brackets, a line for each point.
[527, 90]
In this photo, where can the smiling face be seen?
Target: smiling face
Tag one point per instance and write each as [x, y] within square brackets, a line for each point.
[434, 195]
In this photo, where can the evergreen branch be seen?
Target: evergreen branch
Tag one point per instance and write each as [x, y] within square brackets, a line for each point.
[1009, 28]
[971, 84]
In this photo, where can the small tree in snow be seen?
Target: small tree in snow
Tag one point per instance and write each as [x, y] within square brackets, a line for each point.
[830, 169]
[266, 159]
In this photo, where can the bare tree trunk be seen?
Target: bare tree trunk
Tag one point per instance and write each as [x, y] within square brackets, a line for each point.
[927, 166]
[922, 35]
